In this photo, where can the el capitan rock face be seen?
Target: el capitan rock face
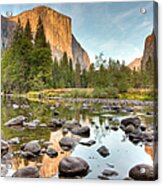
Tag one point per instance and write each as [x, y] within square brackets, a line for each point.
[58, 31]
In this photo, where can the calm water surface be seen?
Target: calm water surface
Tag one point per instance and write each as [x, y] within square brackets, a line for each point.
[123, 153]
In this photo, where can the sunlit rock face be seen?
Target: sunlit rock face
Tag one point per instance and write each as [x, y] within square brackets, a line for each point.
[136, 64]
[58, 31]
[149, 50]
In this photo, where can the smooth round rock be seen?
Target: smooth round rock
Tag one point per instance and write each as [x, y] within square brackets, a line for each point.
[27, 172]
[73, 166]
[142, 172]
[33, 147]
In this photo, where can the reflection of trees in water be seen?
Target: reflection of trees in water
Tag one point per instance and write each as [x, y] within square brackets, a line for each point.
[99, 130]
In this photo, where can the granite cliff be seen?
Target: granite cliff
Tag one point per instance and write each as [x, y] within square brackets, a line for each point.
[58, 31]
[149, 50]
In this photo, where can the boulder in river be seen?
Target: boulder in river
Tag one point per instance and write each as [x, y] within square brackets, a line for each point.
[71, 124]
[73, 166]
[16, 121]
[32, 146]
[4, 148]
[27, 172]
[56, 123]
[135, 121]
[103, 151]
[68, 143]
[142, 172]
[88, 143]
[82, 131]
[52, 153]
[129, 129]
[28, 155]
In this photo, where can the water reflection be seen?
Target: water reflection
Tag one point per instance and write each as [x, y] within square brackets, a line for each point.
[123, 153]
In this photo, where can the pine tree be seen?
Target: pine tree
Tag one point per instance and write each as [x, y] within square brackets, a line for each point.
[77, 75]
[27, 30]
[40, 39]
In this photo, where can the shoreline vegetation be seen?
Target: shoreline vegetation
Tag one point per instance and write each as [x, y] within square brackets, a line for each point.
[87, 93]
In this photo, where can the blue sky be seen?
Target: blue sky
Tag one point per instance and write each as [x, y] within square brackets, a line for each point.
[116, 29]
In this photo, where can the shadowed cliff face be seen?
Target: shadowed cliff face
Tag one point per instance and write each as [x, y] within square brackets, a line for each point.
[58, 31]
[7, 29]
[149, 50]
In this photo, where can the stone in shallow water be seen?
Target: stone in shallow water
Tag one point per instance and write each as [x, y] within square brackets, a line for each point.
[73, 166]
[103, 151]
[108, 172]
[88, 143]
[28, 155]
[135, 121]
[33, 147]
[68, 143]
[15, 121]
[102, 177]
[52, 153]
[82, 131]
[129, 129]
[27, 172]
[142, 172]
[4, 147]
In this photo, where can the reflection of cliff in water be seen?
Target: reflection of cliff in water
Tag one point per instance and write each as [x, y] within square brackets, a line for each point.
[150, 149]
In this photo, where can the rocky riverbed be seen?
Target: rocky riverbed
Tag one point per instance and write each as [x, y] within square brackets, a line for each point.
[78, 139]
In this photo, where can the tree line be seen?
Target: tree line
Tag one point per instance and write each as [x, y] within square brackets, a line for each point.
[28, 66]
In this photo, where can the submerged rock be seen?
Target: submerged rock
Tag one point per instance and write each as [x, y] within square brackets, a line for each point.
[15, 121]
[82, 131]
[52, 153]
[88, 143]
[73, 166]
[4, 148]
[135, 121]
[27, 172]
[68, 143]
[108, 172]
[103, 177]
[142, 172]
[103, 151]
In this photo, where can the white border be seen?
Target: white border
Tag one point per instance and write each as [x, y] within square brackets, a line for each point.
[56, 182]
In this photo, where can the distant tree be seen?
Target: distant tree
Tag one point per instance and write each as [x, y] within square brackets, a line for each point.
[77, 75]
